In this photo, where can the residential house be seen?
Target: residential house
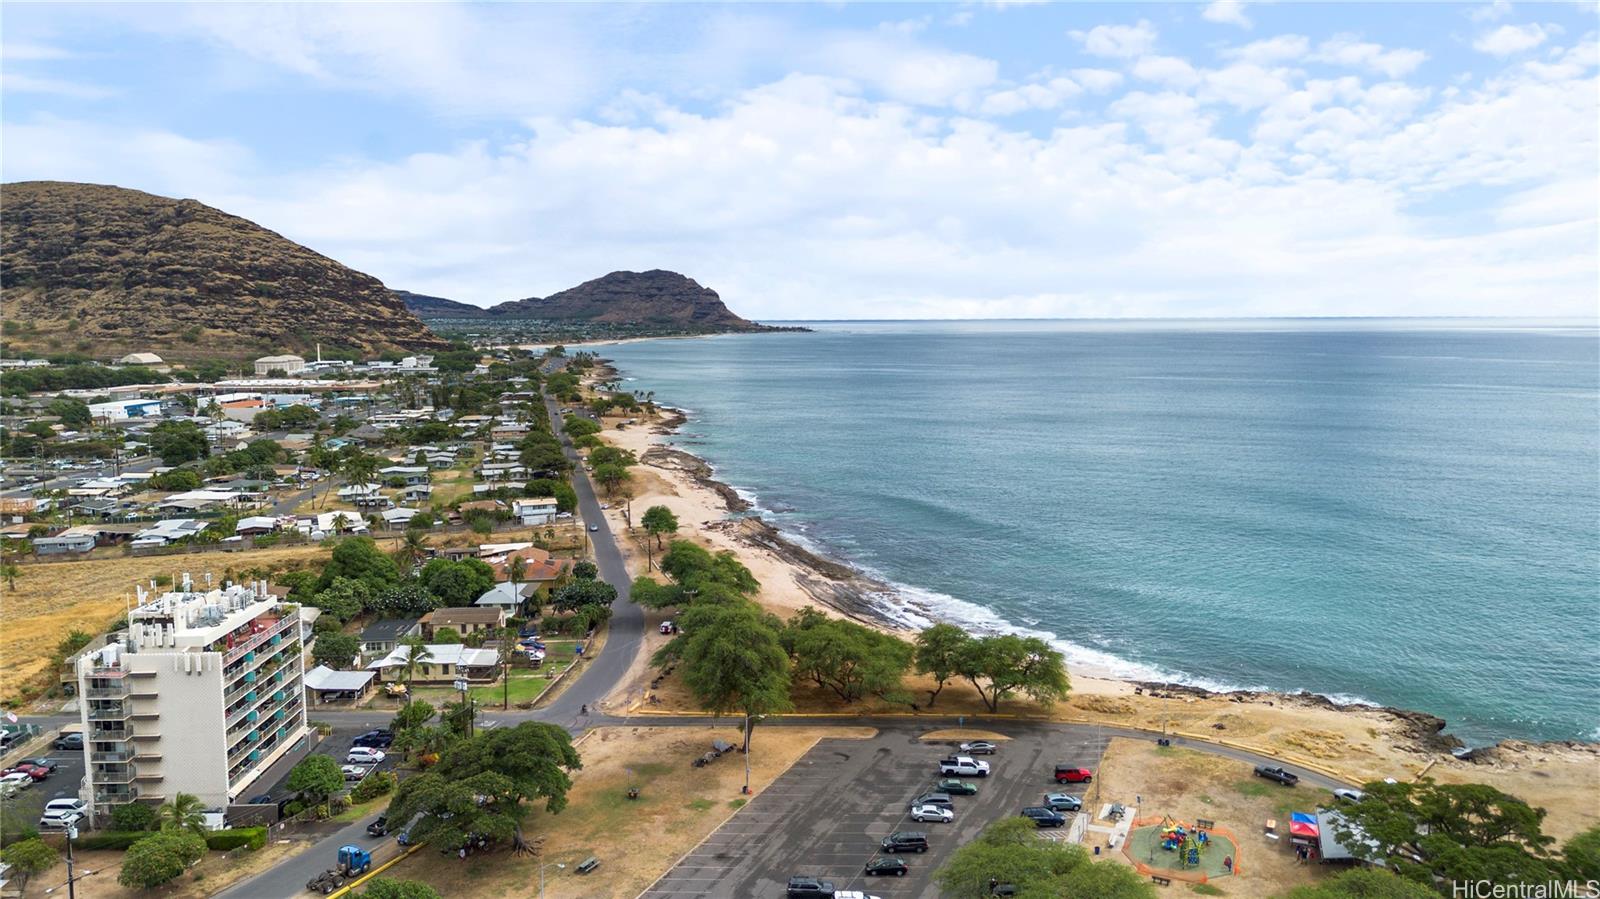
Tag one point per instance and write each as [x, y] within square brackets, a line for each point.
[515, 430]
[419, 493]
[536, 511]
[256, 525]
[163, 533]
[444, 662]
[397, 519]
[469, 620]
[410, 474]
[501, 472]
[507, 596]
[382, 636]
[80, 539]
[350, 492]
[335, 522]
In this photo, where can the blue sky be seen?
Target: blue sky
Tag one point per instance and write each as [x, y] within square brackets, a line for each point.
[862, 160]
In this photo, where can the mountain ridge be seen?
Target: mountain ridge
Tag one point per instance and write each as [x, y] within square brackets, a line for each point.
[103, 269]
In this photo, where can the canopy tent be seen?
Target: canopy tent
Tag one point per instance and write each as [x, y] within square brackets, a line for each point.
[1303, 825]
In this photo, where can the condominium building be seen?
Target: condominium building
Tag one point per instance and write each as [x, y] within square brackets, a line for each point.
[201, 696]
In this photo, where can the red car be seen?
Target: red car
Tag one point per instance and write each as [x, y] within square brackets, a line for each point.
[1065, 775]
[33, 771]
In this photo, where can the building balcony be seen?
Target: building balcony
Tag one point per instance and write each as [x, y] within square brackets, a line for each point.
[115, 794]
[113, 774]
[113, 756]
[109, 712]
[119, 691]
[109, 732]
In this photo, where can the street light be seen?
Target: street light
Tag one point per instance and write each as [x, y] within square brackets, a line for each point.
[72, 834]
[558, 865]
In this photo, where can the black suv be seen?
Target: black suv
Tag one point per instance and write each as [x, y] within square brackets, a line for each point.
[375, 739]
[1044, 817]
[808, 887]
[905, 841]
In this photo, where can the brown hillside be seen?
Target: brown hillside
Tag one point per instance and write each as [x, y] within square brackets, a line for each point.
[106, 270]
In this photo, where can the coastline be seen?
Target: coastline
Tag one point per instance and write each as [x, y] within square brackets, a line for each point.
[1368, 741]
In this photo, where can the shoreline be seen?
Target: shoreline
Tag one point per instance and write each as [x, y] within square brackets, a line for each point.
[1365, 741]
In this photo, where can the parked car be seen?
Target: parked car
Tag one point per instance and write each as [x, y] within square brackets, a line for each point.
[16, 780]
[887, 867]
[1348, 794]
[354, 772]
[808, 887]
[979, 747]
[596, 527]
[905, 841]
[68, 741]
[942, 800]
[955, 786]
[379, 827]
[1067, 774]
[940, 813]
[261, 799]
[46, 764]
[1044, 817]
[364, 755]
[34, 772]
[1277, 774]
[58, 813]
[376, 739]
[1063, 802]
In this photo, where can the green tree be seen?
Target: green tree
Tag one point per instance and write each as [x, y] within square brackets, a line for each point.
[732, 660]
[160, 858]
[1364, 883]
[10, 571]
[578, 594]
[344, 598]
[414, 546]
[659, 520]
[446, 635]
[457, 583]
[585, 570]
[336, 650]
[133, 816]
[486, 784]
[404, 600]
[176, 479]
[184, 813]
[316, 777]
[29, 858]
[413, 714]
[577, 426]
[384, 888]
[851, 660]
[73, 413]
[1010, 851]
[359, 558]
[697, 575]
[177, 442]
[1427, 831]
[610, 476]
[939, 650]
[1006, 664]
[1581, 856]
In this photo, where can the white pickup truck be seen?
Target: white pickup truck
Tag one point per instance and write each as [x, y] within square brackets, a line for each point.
[963, 766]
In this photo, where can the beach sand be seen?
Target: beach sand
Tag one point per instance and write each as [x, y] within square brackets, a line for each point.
[1357, 743]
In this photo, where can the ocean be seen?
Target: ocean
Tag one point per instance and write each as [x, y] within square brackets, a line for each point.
[1397, 512]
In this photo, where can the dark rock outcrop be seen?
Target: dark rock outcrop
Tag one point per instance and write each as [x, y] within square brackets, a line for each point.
[656, 299]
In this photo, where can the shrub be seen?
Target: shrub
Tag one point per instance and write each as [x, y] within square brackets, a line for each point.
[133, 816]
[110, 839]
[379, 783]
[159, 858]
[223, 840]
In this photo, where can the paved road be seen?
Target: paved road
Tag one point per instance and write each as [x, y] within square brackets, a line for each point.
[604, 673]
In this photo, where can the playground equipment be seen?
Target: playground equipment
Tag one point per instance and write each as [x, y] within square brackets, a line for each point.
[1199, 851]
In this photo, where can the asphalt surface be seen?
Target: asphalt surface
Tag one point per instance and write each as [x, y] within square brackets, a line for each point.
[825, 816]
[602, 675]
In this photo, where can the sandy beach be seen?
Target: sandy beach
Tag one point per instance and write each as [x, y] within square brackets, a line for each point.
[1358, 743]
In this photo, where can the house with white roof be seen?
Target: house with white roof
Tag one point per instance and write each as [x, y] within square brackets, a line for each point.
[535, 511]
[443, 662]
[163, 533]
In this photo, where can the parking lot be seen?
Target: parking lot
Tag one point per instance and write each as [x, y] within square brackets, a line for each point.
[825, 816]
[28, 802]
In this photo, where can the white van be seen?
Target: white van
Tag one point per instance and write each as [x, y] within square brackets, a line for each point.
[58, 813]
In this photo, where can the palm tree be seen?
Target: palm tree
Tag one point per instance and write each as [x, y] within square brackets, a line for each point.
[414, 546]
[514, 572]
[341, 521]
[417, 652]
[184, 812]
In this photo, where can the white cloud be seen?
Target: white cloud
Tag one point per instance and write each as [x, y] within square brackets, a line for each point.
[1509, 39]
[15, 82]
[1048, 94]
[18, 52]
[1226, 12]
[1349, 50]
[907, 71]
[1283, 48]
[1169, 70]
[1097, 80]
[1491, 12]
[1117, 40]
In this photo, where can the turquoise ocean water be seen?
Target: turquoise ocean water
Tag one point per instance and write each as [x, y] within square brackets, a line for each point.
[1399, 512]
